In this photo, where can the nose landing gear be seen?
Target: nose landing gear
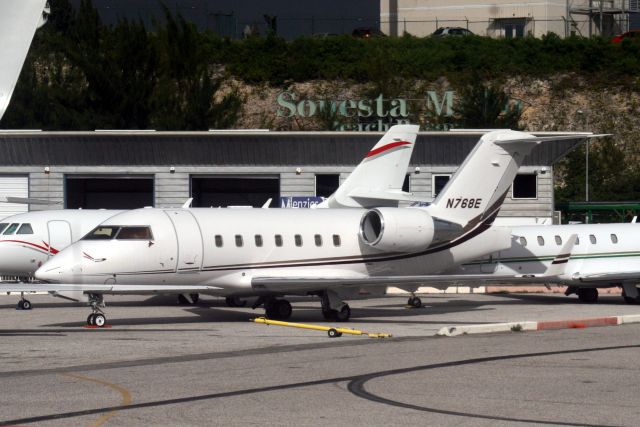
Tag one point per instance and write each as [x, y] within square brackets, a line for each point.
[97, 317]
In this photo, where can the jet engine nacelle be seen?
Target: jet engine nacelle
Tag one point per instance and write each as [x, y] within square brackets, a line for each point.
[397, 229]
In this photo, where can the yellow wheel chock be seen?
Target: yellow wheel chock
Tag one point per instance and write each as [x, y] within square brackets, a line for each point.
[332, 332]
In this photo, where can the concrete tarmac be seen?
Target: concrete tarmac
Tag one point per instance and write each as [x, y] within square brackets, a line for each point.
[163, 364]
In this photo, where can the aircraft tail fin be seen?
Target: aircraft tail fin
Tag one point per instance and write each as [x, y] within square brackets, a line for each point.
[377, 180]
[19, 20]
[479, 186]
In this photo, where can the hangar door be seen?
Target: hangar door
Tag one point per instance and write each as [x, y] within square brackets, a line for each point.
[13, 186]
[235, 190]
[108, 192]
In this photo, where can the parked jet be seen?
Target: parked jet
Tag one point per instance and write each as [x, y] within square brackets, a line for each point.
[271, 253]
[28, 240]
[599, 256]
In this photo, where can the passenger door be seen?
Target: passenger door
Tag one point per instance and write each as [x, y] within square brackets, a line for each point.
[189, 240]
[59, 236]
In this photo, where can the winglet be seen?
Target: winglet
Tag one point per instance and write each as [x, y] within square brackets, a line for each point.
[559, 263]
[187, 204]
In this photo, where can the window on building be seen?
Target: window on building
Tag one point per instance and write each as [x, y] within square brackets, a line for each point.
[218, 240]
[25, 229]
[438, 182]
[614, 238]
[258, 239]
[298, 239]
[336, 240]
[327, 184]
[239, 241]
[558, 240]
[278, 240]
[541, 240]
[318, 239]
[525, 186]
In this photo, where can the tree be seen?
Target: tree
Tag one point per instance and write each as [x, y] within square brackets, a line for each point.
[486, 106]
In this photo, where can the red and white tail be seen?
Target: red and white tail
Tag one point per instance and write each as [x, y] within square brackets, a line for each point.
[377, 180]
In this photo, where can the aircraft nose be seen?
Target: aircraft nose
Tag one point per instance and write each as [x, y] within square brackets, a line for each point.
[57, 270]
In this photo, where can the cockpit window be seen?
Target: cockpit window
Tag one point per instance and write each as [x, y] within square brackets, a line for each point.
[25, 229]
[135, 233]
[3, 225]
[102, 233]
[11, 229]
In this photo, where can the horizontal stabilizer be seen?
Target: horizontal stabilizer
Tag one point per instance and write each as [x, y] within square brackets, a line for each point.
[28, 201]
[394, 195]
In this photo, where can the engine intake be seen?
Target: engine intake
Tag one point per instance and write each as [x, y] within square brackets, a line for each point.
[397, 229]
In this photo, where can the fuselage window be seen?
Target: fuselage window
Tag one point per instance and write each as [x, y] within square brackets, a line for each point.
[258, 240]
[218, 240]
[3, 226]
[577, 240]
[592, 239]
[523, 241]
[541, 240]
[318, 239]
[558, 240]
[134, 233]
[11, 229]
[614, 238]
[102, 233]
[336, 240]
[298, 240]
[278, 239]
[239, 241]
[25, 229]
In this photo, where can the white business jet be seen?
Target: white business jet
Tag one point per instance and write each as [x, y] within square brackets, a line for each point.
[584, 257]
[29, 239]
[270, 253]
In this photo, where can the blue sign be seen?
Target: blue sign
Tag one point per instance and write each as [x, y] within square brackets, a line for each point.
[299, 201]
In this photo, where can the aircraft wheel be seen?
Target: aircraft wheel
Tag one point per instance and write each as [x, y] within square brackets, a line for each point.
[630, 300]
[279, 310]
[182, 300]
[588, 295]
[334, 333]
[26, 304]
[90, 320]
[99, 320]
[20, 305]
[343, 314]
[415, 302]
[195, 297]
[329, 314]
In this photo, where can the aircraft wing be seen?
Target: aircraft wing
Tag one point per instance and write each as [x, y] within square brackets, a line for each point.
[621, 276]
[104, 289]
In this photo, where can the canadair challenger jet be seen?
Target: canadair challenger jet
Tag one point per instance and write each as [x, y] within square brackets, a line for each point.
[29, 239]
[271, 253]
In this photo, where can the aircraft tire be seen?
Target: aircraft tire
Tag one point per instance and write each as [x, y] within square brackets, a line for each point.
[26, 304]
[182, 300]
[329, 314]
[630, 300]
[343, 314]
[195, 298]
[20, 305]
[415, 302]
[235, 302]
[588, 295]
[90, 320]
[99, 320]
[279, 310]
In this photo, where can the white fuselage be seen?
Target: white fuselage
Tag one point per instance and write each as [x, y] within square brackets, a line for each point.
[604, 249]
[226, 248]
[28, 240]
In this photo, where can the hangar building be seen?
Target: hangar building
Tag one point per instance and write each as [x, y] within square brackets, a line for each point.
[131, 169]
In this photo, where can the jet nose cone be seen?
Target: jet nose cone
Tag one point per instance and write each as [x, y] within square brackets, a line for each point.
[49, 273]
[57, 269]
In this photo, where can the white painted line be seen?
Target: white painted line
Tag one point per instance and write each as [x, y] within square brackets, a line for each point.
[453, 331]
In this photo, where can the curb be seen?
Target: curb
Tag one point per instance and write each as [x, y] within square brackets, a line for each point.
[454, 331]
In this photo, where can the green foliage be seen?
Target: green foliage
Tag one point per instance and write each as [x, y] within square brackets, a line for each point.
[81, 74]
[485, 106]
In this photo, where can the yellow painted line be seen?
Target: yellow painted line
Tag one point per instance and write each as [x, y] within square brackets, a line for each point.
[126, 395]
[349, 331]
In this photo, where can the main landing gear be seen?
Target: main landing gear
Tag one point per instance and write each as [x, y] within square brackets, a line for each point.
[188, 299]
[414, 301]
[585, 295]
[97, 317]
[333, 308]
[24, 304]
[235, 302]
